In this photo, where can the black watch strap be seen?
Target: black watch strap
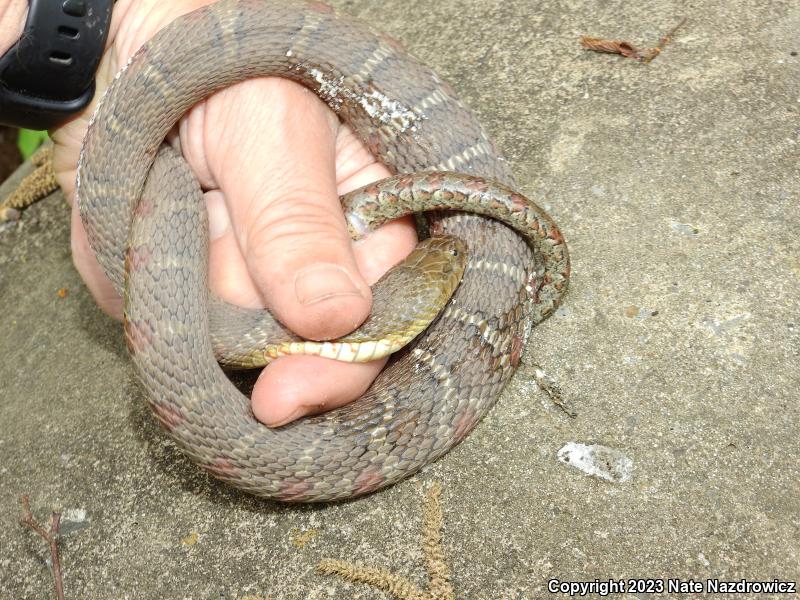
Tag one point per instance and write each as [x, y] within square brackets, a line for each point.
[48, 75]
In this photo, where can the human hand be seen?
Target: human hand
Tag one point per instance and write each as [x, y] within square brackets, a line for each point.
[273, 160]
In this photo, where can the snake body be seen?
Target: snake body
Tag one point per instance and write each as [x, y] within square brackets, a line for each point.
[143, 212]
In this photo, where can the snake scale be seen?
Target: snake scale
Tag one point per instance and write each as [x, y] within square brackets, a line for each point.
[144, 215]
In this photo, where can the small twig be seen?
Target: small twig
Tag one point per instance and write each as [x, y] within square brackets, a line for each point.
[628, 50]
[50, 537]
[664, 41]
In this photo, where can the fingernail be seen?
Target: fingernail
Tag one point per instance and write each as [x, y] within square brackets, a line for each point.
[322, 281]
[286, 419]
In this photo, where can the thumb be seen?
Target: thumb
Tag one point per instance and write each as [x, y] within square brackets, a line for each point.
[269, 145]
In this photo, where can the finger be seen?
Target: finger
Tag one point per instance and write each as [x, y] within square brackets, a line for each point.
[12, 23]
[269, 145]
[295, 386]
[355, 167]
[230, 279]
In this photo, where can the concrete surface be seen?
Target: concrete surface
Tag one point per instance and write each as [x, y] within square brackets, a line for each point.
[677, 187]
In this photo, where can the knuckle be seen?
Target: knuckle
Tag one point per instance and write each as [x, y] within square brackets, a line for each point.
[296, 224]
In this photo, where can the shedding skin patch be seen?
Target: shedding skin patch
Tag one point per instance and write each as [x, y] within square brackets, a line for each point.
[387, 111]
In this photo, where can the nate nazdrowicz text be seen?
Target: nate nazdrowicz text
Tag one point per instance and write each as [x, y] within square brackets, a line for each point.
[606, 587]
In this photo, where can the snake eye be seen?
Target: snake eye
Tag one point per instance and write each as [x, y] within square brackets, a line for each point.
[454, 251]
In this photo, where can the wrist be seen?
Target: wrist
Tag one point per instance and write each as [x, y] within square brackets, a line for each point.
[47, 74]
[12, 21]
[14, 12]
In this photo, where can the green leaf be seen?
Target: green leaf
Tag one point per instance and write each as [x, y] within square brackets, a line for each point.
[29, 140]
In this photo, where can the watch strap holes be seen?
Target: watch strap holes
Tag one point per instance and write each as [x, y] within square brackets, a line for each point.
[61, 58]
[68, 32]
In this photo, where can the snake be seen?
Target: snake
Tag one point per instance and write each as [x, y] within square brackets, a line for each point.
[143, 212]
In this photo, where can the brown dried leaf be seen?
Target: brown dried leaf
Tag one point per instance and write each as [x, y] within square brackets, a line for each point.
[626, 49]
